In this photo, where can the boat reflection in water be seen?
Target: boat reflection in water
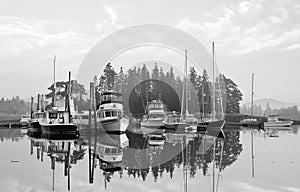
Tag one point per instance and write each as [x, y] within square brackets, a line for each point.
[65, 149]
[191, 156]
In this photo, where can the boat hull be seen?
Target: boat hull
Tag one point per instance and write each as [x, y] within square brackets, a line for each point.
[152, 123]
[34, 127]
[59, 128]
[115, 125]
[278, 124]
[213, 128]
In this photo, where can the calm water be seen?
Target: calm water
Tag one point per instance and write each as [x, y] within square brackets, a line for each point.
[178, 163]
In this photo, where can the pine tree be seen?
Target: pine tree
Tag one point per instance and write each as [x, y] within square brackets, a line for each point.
[155, 73]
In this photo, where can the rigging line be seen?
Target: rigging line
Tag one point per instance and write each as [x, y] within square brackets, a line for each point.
[214, 154]
[220, 164]
[183, 166]
[219, 86]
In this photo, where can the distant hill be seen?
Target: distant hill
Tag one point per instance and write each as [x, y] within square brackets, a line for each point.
[272, 103]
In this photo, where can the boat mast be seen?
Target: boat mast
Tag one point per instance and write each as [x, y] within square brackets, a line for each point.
[54, 83]
[186, 86]
[213, 83]
[252, 94]
[69, 97]
[202, 98]
[183, 95]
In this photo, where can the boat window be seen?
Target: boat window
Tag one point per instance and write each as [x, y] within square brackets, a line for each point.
[114, 113]
[52, 115]
[107, 150]
[107, 113]
[120, 114]
[84, 117]
[114, 150]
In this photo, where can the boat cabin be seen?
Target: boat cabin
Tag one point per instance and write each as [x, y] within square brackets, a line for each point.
[155, 104]
[57, 117]
[38, 115]
[110, 153]
[273, 118]
[110, 97]
[109, 113]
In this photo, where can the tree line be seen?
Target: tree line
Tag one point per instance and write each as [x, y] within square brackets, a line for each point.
[139, 85]
[291, 112]
[12, 108]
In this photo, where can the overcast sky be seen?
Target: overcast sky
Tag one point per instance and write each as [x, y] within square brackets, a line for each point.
[256, 36]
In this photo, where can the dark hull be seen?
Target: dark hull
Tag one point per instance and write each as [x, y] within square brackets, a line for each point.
[34, 127]
[64, 136]
[59, 128]
[213, 128]
[175, 126]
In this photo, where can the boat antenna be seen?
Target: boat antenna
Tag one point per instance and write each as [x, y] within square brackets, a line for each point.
[252, 94]
[54, 83]
[69, 97]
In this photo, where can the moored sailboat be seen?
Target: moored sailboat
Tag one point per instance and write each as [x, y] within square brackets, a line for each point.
[213, 125]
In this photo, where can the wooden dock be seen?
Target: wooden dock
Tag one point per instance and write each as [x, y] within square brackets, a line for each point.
[4, 124]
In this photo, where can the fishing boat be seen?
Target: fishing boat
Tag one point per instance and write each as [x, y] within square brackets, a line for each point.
[58, 119]
[110, 114]
[273, 121]
[154, 118]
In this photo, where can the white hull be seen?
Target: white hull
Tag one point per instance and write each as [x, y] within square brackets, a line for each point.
[152, 123]
[115, 125]
[147, 130]
[278, 124]
[155, 142]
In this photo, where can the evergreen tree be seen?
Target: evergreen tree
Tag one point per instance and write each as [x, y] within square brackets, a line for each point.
[109, 74]
[161, 74]
[233, 96]
[155, 73]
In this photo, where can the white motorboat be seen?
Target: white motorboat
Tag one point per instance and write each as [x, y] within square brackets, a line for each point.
[155, 115]
[273, 121]
[110, 114]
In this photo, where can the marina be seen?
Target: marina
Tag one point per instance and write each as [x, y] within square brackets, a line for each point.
[137, 96]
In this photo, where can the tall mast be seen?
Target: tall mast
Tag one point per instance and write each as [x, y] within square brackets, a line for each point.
[186, 86]
[54, 83]
[252, 93]
[183, 92]
[213, 83]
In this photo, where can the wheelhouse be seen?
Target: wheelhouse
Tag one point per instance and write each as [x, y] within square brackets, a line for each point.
[110, 113]
[110, 97]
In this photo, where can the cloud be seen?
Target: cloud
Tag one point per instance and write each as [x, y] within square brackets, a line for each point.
[112, 13]
[247, 26]
[291, 189]
[20, 34]
[291, 47]
[243, 7]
